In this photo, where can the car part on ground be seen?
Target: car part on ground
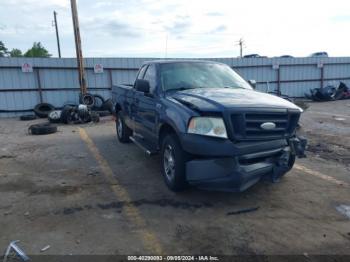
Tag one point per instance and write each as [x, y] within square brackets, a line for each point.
[343, 92]
[42, 110]
[329, 93]
[27, 117]
[78, 115]
[42, 129]
[47, 247]
[91, 108]
[55, 116]
[68, 114]
[16, 249]
[95, 117]
[108, 105]
[83, 114]
[103, 113]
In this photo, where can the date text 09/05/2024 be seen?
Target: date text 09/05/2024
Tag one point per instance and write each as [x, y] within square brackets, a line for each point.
[173, 258]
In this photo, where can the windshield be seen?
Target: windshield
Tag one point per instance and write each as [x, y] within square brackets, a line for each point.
[187, 75]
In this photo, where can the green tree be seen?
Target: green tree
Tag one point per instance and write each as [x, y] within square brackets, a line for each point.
[37, 50]
[3, 49]
[16, 53]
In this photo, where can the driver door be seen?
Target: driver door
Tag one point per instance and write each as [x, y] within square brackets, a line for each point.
[146, 117]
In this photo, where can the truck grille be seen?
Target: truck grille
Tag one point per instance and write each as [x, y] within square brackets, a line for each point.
[247, 126]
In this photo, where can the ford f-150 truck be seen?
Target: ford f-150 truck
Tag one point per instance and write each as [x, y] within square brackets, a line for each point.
[211, 128]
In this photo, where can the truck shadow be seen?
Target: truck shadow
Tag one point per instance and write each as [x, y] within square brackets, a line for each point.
[141, 176]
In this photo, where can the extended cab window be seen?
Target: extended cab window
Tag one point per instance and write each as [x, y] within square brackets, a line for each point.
[150, 76]
[186, 75]
[142, 72]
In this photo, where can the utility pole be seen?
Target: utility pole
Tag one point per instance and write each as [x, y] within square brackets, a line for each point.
[57, 35]
[241, 43]
[80, 61]
[166, 46]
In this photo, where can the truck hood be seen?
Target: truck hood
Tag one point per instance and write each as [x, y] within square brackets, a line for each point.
[219, 99]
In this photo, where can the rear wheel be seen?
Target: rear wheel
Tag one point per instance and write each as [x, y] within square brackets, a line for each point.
[173, 163]
[123, 132]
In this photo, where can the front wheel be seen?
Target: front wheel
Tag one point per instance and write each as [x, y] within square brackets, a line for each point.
[173, 163]
[123, 132]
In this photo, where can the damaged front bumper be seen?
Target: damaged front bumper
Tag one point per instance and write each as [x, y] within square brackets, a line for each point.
[236, 167]
[298, 146]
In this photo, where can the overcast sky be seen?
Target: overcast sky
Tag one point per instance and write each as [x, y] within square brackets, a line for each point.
[189, 28]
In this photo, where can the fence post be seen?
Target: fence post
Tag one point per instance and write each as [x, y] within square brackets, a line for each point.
[39, 84]
[321, 67]
[110, 78]
[322, 76]
[279, 81]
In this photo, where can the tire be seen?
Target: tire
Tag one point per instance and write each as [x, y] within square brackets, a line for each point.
[42, 129]
[174, 171]
[123, 132]
[88, 100]
[27, 117]
[42, 110]
[99, 101]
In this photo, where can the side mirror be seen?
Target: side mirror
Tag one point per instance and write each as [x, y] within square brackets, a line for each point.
[252, 83]
[142, 86]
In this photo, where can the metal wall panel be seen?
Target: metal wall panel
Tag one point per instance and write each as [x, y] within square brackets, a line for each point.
[302, 72]
[59, 77]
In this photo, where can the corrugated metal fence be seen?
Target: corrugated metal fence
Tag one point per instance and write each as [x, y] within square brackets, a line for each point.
[55, 80]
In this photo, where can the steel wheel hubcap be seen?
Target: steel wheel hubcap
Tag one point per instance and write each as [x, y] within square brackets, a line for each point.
[169, 163]
[119, 127]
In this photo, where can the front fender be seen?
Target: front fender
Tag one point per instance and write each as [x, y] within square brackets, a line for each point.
[175, 115]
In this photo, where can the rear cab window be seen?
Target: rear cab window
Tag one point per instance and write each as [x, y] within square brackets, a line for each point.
[151, 77]
[141, 72]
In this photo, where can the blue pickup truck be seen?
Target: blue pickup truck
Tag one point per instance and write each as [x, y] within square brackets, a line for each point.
[211, 128]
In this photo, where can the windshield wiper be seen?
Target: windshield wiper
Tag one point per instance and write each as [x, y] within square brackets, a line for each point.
[234, 87]
[180, 88]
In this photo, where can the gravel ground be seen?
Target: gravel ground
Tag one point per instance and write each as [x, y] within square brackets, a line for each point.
[97, 196]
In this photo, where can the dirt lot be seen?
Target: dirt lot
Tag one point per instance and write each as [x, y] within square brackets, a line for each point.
[82, 192]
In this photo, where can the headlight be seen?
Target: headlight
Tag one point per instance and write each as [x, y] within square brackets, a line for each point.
[207, 126]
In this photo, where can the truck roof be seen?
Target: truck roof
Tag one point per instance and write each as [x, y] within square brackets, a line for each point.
[168, 61]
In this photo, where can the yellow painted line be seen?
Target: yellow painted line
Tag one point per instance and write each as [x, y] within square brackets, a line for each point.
[320, 175]
[149, 239]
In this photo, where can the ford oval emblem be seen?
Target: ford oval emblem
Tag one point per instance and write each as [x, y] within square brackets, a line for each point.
[268, 126]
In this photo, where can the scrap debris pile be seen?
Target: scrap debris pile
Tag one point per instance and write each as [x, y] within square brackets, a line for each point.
[329, 93]
[90, 109]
